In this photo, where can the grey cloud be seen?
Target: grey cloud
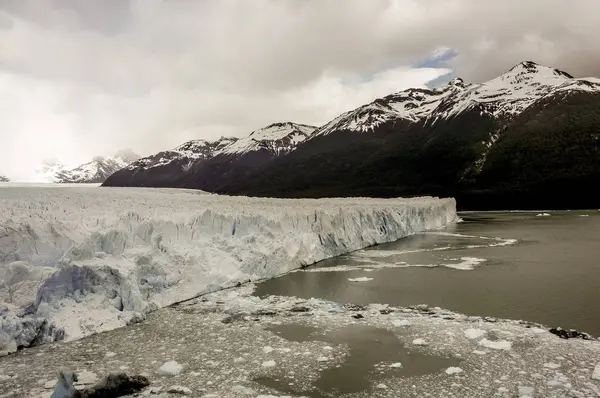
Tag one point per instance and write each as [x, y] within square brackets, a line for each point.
[148, 74]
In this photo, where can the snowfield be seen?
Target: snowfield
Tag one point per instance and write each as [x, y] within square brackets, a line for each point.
[76, 261]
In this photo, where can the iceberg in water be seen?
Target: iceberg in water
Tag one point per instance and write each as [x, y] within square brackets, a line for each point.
[76, 261]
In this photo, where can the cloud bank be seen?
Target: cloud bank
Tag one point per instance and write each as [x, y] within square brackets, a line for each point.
[81, 78]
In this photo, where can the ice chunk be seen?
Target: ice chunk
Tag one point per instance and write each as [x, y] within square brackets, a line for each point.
[474, 333]
[267, 350]
[181, 390]
[401, 322]
[420, 342]
[452, 370]
[171, 368]
[396, 365]
[525, 391]
[269, 364]
[360, 279]
[242, 390]
[496, 344]
[596, 372]
[551, 365]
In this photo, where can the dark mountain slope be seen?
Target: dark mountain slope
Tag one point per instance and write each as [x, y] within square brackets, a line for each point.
[549, 157]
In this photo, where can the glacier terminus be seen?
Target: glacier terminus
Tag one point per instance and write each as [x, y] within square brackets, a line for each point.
[75, 262]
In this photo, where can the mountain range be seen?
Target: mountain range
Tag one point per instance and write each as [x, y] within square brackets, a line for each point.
[529, 138]
[95, 171]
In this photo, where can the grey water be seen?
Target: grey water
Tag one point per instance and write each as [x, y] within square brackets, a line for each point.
[514, 265]
[368, 346]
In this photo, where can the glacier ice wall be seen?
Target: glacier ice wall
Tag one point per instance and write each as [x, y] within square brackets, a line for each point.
[75, 261]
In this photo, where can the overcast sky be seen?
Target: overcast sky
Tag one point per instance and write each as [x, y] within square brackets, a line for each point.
[80, 78]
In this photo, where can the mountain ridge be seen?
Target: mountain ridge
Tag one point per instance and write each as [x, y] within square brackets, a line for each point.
[95, 171]
[220, 156]
[443, 141]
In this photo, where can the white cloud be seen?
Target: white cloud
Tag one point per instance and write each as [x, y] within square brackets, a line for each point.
[84, 78]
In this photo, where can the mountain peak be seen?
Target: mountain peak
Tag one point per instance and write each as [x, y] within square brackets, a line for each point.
[530, 67]
[127, 155]
[278, 138]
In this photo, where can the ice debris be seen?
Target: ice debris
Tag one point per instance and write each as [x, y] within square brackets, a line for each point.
[474, 333]
[452, 370]
[170, 368]
[496, 344]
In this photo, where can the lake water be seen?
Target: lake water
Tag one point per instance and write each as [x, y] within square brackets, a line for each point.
[514, 265]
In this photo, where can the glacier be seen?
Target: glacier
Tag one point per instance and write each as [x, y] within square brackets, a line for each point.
[75, 261]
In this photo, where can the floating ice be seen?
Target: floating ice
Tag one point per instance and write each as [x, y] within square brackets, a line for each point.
[496, 344]
[171, 368]
[268, 364]
[596, 372]
[396, 365]
[452, 370]
[543, 215]
[466, 263]
[551, 365]
[360, 279]
[525, 391]
[420, 342]
[401, 322]
[474, 333]
[180, 390]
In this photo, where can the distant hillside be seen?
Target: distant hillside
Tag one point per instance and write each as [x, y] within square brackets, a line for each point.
[95, 171]
[213, 164]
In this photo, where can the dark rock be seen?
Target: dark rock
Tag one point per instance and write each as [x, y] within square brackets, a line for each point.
[300, 308]
[570, 334]
[28, 310]
[233, 318]
[116, 385]
[263, 312]
[357, 316]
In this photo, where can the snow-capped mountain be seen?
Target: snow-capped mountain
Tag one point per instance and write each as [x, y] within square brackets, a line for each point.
[4, 178]
[219, 158]
[48, 170]
[277, 138]
[505, 96]
[184, 154]
[512, 142]
[95, 171]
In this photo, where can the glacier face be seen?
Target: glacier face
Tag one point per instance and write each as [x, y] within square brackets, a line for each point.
[79, 260]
